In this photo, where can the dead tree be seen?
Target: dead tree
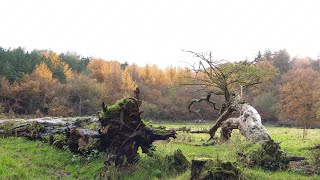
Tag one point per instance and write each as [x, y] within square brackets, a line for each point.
[223, 79]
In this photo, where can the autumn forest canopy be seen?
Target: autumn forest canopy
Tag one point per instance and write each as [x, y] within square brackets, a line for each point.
[44, 83]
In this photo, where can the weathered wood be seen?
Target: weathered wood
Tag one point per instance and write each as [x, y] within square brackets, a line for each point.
[249, 124]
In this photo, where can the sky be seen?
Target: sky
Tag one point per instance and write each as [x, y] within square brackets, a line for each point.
[156, 32]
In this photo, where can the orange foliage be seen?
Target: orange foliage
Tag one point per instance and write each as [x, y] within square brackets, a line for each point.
[297, 95]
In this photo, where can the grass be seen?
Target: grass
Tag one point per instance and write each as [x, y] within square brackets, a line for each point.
[24, 159]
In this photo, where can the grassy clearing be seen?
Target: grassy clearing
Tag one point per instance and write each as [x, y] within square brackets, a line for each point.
[24, 159]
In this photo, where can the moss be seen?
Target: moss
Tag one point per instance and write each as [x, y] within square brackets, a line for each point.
[34, 128]
[59, 137]
[113, 111]
[179, 161]
[7, 128]
[209, 169]
[147, 123]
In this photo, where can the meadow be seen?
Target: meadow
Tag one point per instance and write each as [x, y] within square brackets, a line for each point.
[24, 159]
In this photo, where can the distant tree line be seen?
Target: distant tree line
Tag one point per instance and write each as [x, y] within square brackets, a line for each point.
[42, 82]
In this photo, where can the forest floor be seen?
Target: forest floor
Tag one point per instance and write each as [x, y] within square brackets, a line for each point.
[24, 159]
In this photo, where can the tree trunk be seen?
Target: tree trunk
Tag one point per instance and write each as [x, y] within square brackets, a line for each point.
[220, 120]
[248, 123]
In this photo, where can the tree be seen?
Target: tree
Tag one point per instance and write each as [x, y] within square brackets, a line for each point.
[128, 84]
[43, 71]
[85, 94]
[297, 95]
[281, 60]
[75, 61]
[7, 96]
[60, 70]
[267, 104]
[96, 67]
[223, 78]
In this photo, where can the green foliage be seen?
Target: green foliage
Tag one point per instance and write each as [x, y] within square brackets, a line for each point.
[267, 105]
[245, 75]
[59, 74]
[15, 63]
[75, 62]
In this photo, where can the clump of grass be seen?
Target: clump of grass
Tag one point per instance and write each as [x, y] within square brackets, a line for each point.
[184, 137]
[158, 166]
[266, 155]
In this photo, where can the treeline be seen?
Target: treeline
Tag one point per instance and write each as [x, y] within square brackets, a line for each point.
[43, 82]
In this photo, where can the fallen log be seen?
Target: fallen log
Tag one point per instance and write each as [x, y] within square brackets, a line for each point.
[119, 131]
[205, 131]
[295, 158]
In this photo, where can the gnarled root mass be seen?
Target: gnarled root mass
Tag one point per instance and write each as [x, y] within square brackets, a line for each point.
[123, 132]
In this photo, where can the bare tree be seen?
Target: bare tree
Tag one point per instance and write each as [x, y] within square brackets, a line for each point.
[228, 80]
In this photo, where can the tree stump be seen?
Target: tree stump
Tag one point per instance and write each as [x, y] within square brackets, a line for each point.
[208, 169]
[123, 131]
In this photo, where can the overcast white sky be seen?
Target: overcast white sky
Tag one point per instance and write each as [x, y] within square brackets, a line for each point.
[155, 32]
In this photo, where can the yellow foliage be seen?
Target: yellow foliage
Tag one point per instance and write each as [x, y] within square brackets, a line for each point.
[42, 70]
[105, 71]
[67, 71]
[128, 84]
[57, 63]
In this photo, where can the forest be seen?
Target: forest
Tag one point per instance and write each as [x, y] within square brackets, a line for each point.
[44, 83]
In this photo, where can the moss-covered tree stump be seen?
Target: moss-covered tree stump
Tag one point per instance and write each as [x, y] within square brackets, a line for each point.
[123, 131]
[179, 161]
[208, 169]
